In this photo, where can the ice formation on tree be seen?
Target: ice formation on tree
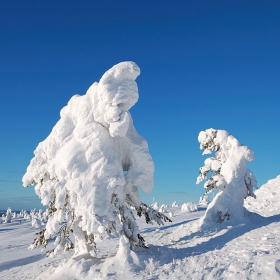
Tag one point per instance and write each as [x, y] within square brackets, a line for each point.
[229, 175]
[88, 170]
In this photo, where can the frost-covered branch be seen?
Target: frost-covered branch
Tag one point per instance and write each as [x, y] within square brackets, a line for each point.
[151, 214]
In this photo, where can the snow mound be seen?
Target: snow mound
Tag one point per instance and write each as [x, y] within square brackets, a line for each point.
[267, 199]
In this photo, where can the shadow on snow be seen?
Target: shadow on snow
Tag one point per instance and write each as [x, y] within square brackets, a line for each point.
[147, 230]
[166, 254]
[19, 262]
[6, 229]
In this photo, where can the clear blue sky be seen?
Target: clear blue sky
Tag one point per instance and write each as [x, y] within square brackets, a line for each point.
[203, 64]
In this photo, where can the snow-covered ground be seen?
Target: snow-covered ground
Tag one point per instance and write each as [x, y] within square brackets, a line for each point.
[176, 251]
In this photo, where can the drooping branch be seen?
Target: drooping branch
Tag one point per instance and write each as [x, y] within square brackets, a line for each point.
[151, 214]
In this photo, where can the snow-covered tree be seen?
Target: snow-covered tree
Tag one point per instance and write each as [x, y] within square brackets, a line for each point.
[175, 204]
[189, 207]
[155, 206]
[228, 175]
[8, 217]
[14, 215]
[204, 200]
[162, 208]
[88, 170]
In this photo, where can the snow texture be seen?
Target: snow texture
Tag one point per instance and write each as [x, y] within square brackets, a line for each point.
[179, 251]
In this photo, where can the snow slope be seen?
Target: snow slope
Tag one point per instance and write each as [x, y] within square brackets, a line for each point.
[176, 251]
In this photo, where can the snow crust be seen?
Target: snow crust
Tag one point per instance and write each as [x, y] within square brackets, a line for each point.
[92, 152]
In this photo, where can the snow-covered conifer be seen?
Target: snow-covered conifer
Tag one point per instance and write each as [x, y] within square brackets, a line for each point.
[35, 222]
[162, 208]
[175, 204]
[88, 170]
[14, 215]
[155, 206]
[228, 175]
[189, 206]
[21, 214]
[8, 217]
[26, 216]
[204, 200]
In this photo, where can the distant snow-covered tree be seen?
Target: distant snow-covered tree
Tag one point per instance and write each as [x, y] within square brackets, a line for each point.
[155, 206]
[162, 208]
[26, 216]
[228, 175]
[14, 215]
[88, 170]
[8, 217]
[175, 204]
[189, 206]
[204, 200]
[21, 214]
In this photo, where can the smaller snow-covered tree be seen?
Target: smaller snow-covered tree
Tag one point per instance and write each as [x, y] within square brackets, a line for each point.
[8, 217]
[14, 215]
[155, 206]
[204, 200]
[228, 175]
[175, 204]
[162, 208]
[21, 214]
[26, 216]
[189, 207]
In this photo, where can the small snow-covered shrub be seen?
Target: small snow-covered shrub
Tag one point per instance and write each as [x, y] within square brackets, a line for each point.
[189, 206]
[228, 175]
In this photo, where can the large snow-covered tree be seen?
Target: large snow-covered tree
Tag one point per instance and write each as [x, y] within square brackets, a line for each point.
[227, 173]
[88, 170]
